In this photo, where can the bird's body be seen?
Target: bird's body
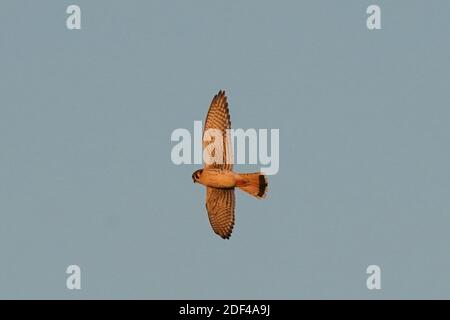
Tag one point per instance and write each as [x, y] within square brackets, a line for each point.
[219, 178]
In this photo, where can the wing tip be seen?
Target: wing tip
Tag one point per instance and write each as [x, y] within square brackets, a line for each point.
[225, 237]
[221, 93]
[225, 234]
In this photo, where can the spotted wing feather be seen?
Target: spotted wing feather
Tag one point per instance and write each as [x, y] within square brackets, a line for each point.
[220, 205]
[218, 117]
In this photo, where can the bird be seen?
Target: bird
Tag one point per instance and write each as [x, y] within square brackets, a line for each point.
[218, 176]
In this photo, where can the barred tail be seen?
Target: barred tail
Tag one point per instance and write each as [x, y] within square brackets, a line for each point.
[254, 183]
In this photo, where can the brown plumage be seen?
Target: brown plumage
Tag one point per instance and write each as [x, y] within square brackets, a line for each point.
[219, 178]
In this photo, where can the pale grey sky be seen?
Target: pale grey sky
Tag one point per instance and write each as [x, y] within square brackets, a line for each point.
[85, 170]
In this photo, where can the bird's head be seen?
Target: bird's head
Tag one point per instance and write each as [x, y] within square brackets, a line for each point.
[196, 175]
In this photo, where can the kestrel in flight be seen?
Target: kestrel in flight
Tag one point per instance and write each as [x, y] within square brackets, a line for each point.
[218, 176]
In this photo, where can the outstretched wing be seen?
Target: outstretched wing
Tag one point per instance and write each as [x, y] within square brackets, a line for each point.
[220, 207]
[218, 118]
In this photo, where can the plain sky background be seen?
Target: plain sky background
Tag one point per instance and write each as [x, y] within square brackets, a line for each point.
[85, 170]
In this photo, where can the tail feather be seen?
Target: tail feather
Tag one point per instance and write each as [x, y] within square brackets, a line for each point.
[255, 184]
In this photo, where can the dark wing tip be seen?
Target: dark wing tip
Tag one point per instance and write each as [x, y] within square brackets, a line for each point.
[221, 94]
[225, 234]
